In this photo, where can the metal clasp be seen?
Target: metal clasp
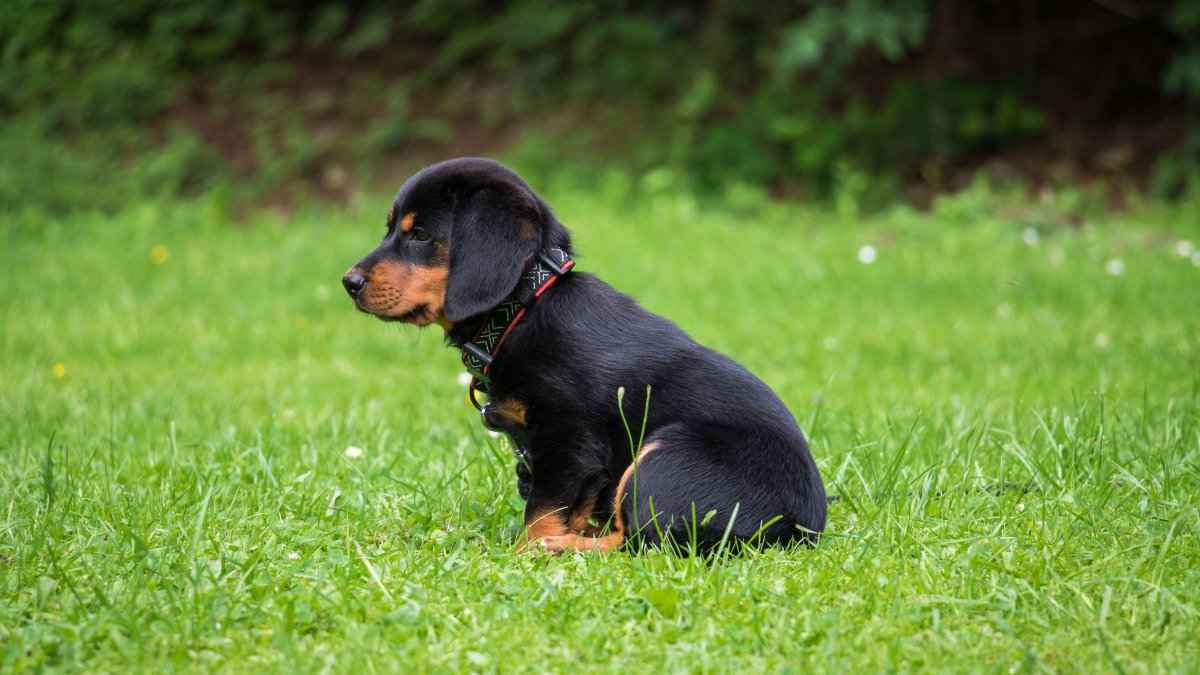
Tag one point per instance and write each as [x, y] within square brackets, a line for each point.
[549, 262]
[478, 353]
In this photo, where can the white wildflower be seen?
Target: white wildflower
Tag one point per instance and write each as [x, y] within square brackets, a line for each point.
[1115, 267]
[1184, 248]
[1030, 236]
[354, 452]
[867, 254]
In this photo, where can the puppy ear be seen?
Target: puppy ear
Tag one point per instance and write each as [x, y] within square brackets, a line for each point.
[493, 238]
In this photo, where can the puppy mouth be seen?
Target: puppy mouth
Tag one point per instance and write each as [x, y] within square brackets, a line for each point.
[417, 315]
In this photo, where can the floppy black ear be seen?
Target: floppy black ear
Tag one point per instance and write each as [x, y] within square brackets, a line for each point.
[494, 235]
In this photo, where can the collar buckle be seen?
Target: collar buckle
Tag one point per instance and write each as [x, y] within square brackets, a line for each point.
[553, 265]
[478, 352]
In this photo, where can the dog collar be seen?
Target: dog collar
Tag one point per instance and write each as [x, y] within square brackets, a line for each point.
[479, 351]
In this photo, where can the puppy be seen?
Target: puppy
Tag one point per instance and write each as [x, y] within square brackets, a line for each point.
[627, 429]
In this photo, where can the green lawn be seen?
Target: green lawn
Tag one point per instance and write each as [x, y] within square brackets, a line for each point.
[177, 395]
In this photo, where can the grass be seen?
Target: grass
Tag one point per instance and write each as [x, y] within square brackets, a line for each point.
[178, 394]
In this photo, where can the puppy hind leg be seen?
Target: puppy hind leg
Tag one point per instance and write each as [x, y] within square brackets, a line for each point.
[684, 500]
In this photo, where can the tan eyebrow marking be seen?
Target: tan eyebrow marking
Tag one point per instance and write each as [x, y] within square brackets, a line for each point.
[406, 223]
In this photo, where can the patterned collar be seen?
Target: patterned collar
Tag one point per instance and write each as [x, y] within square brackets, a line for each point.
[479, 351]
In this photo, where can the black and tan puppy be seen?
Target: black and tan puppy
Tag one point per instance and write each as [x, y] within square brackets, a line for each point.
[470, 247]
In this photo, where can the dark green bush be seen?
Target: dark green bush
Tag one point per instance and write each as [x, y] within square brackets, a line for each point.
[825, 98]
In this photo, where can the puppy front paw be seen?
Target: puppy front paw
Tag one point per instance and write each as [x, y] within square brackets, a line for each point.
[554, 544]
[561, 543]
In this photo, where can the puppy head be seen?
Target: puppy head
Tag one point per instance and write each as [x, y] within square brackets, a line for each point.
[459, 234]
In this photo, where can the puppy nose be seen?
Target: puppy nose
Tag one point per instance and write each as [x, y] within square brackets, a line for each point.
[354, 282]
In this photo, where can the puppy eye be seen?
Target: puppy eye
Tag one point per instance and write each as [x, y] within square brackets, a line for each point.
[420, 235]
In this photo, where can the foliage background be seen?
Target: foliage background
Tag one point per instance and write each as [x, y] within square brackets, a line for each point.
[862, 101]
